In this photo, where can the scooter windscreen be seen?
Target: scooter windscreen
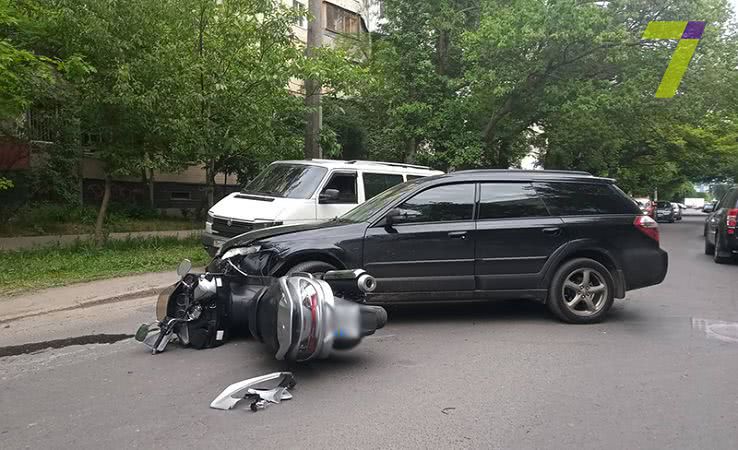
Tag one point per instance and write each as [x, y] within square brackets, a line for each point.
[162, 303]
[300, 319]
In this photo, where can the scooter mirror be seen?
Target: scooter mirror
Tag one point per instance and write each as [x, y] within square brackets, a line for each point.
[184, 268]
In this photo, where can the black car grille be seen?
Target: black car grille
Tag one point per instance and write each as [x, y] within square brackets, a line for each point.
[230, 228]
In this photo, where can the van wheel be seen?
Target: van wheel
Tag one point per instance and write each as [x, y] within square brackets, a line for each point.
[581, 291]
[313, 267]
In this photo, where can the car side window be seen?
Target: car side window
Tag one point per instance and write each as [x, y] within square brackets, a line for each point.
[345, 184]
[582, 199]
[508, 200]
[374, 183]
[451, 202]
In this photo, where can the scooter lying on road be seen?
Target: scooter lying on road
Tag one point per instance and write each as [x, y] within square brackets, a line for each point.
[299, 317]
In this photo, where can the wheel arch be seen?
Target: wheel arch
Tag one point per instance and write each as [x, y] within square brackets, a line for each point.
[302, 257]
[586, 250]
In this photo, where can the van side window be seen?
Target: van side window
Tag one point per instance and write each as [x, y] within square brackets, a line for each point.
[345, 184]
[374, 183]
[415, 177]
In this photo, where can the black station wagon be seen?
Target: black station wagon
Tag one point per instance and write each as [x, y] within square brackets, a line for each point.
[569, 239]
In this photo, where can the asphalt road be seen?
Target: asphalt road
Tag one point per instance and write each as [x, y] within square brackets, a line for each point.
[662, 372]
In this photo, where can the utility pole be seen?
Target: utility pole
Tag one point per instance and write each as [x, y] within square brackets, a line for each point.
[313, 87]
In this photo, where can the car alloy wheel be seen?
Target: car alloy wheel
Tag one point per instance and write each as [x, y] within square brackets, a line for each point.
[585, 292]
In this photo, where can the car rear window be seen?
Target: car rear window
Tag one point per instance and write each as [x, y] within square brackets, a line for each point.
[582, 199]
[730, 200]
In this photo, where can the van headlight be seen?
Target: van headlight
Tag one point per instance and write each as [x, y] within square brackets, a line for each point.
[209, 223]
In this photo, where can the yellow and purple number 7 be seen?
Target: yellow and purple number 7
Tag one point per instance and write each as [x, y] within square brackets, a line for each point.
[689, 35]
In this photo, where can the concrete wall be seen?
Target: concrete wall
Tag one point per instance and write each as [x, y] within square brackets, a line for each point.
[93, 169]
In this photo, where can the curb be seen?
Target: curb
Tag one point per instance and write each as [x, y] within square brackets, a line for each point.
[132, 295]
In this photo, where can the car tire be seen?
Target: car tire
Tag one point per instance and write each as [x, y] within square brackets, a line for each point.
[709, 248]
[568, 283]
[313, 267]
[718, 249]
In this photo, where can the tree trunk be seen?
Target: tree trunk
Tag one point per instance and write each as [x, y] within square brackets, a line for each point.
[147, 177]
[210, 180]
[99, 235]
[152, 203]
[442, 45]
[313, 87]
[411, 148]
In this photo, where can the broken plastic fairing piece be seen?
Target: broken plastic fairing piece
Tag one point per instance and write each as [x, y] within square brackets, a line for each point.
[271, 388]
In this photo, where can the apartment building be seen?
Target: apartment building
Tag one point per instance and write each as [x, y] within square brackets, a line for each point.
[186, 189]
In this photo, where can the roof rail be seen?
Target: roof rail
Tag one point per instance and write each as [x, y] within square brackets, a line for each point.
[410, 166]
[577, 172]
[534, 171]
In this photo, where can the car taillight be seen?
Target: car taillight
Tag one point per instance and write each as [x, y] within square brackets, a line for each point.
[731, 220]
[647, 226]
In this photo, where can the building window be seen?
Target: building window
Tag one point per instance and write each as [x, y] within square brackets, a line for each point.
[300, 20]
[180, 196]
[340, 20]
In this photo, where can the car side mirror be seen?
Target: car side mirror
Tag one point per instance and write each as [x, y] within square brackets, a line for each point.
[393, 216]
[398, 215]
[329, 195]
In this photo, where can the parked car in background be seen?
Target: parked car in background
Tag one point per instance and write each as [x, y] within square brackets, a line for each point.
[677, 211]
[709, 207]
[642, 205]
[294, 192]
[694, 202]
[721, 238]
[650, 210]
[664, 211]
[571, 240]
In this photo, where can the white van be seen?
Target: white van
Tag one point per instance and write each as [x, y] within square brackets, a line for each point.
[296, 192]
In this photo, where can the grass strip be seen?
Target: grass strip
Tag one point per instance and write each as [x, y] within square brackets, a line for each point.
[38, 268]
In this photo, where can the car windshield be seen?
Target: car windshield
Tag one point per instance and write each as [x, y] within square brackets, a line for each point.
[287, 180]
[663, 205]
[366, 210]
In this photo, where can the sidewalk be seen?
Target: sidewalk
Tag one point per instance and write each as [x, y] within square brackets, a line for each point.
[84, 294]
[24, 242]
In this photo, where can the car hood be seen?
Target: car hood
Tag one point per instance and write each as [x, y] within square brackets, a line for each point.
[251, 207]
[251, 236]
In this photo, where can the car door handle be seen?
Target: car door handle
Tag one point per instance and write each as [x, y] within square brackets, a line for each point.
[457, 234]
[553, 231]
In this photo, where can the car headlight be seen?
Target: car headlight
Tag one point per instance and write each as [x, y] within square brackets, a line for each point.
[242, 251]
